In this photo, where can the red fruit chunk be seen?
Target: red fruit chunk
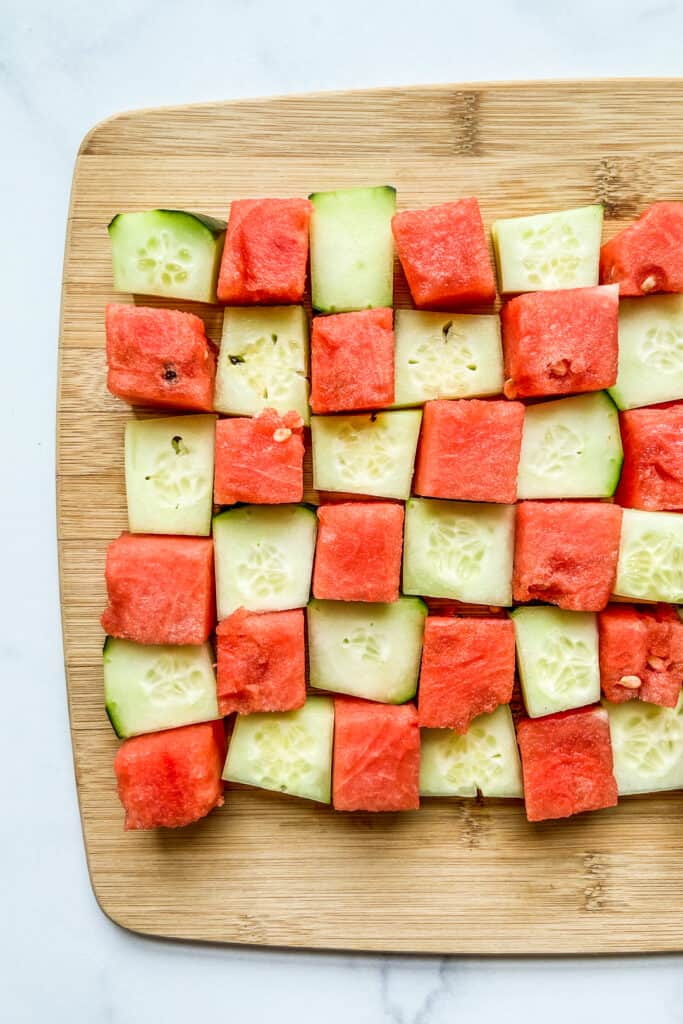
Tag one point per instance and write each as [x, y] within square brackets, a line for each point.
[159, 357]
[566, 553]
[160, 589]
[266, 252]
[444, 255]
[641, 654]
[259, 459]
[647, 256]
[376, 757]
[567, 764]
[261, 661]
[558, 343]
[358, 552]
[652, 474]
[171, 778]
[352, 361]
[468, 668]
[469, 450]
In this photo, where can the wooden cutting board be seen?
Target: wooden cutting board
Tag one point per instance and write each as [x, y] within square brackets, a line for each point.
[455, 877]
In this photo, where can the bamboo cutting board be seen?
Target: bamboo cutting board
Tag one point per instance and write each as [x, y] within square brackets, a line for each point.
[457, 876]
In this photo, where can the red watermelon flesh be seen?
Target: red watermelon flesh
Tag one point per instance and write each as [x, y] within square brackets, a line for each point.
[469, 450]
[261, 661]
[566, 553]
[358, 552]
[444, 255]
[468, 668]
[652, 473]
[352, 361]
[159, 357]
[641, 654]
[266, 252]
[560, 342]
[567, 764]
[171, 778]
[160, 589]
[259, 459]
[647, 256]
[376, 757]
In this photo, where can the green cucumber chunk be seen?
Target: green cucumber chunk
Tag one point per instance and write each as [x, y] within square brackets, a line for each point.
[484, 760]
[352, 249]
[460, 550]
[288, 752]
[548, 250]
[170, 253]
[647, 746]
[650, 351]
[366, 650]
[264, 557]
[169, 474]
[149, 687]
[366, 453]
[557, 658]
[446, 355]
[263, 361]
[650, 564]
[571, 448]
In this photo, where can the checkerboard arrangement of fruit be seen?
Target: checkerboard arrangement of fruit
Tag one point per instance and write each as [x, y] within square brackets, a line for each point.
[496, 494]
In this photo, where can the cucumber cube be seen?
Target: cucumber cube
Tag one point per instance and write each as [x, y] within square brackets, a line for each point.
[650, 351]
[651, 556]
[460, 550]
[288, 751]
[169, 474]
[647, 745]
[557, 658]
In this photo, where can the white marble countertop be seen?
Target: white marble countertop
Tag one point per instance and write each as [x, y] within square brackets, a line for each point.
[64, 66]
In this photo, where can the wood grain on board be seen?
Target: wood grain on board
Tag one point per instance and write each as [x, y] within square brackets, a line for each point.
[457, 876]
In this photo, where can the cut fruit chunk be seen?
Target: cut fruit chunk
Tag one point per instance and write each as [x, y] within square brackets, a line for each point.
[652, 474]
[358, 551]
[651, 556]
[261, 661]
[352, 361]
[352, 252]
[485, 759]
[647, 256]
[459, 550]
[149, 687]
[264, 557]
[259, 459]
[650, 351]
[548, 250]
[367, 453]
[169, 474]
[641, 654]
[446, 355]
[263, 361]
[167, 252]
[571, 448]
[557, 657]
[366, 650]
[376, 757]
[647, 742]
[288, 752]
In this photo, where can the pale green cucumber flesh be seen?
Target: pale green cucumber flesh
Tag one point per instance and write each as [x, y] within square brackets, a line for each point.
[650, 566]
[647, 746]
[650, 351]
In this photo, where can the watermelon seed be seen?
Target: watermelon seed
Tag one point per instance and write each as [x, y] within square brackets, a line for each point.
[170, 373]
[658, 664]
[282, 433]
[630, 682]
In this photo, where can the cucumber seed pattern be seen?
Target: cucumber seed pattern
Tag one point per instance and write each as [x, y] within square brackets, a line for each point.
[364, 451]
[444, 364]
[176, 481]
[161, 262]
[566, 666]
[649, 738]
[662, 349]
[474, 760]
[652, 564]
[365, 645]
[281, 750]
[555, 451]
[457, 547]
[551, 254]
[170, 680]
[264, 570]
[266, 366]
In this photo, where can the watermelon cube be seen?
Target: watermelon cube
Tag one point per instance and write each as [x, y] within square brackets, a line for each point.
[647, 256]
[266, 252]
[566, 553]
[641, 654]
[469, 450]
[444, 255]
[358, 552]
[171, 778]
[160, 589]
[259, 460]
[352, 361]
[567, 764]
[159, 357]
[652, 474]
[261, 661]
[376, 764]
[468, 668]
[561, 342]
